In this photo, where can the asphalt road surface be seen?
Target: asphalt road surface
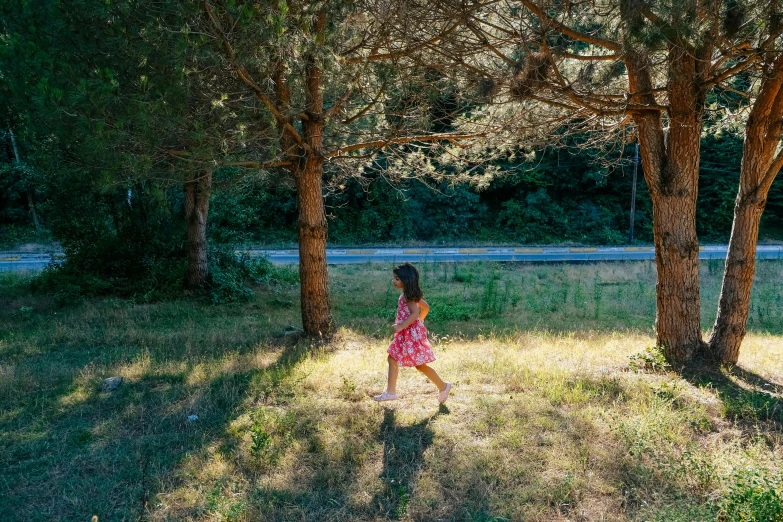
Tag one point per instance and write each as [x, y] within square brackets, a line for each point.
[13, 261]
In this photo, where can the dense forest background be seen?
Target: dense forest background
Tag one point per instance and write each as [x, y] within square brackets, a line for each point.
[554, 196]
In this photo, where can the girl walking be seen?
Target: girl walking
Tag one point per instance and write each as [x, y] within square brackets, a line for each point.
[410, 346]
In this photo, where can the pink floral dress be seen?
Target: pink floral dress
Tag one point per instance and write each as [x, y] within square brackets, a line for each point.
[410, 346]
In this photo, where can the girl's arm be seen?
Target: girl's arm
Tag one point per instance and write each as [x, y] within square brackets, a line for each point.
[425, 309]
[413, 306]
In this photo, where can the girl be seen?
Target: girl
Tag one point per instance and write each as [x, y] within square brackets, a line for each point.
[410, 346]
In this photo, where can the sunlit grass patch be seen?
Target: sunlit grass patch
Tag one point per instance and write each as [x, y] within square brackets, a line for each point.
[547, 420]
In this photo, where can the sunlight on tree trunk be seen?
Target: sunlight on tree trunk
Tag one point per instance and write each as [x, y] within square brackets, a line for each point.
[671, 169]
[313, 274]
[734, 305]
[761, 161]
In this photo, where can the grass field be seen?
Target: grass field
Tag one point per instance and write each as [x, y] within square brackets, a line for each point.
[547, 421]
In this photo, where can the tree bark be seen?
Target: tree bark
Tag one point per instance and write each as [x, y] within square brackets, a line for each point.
[734, 305]
[198, 189]
[30, 201]
[313, 274]
[678, 316]
[31, 204]
[671, 171]
[761, 162]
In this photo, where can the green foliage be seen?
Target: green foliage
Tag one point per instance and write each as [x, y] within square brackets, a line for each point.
[14, 235]
[651, 359]
[229, 277]
[253, 210]
[462, 276]
[232, 276]
[552, 198]
[115, 242]
[752, 406]
[493, 301]
[18, 181]
[555, 197]
[753, 495]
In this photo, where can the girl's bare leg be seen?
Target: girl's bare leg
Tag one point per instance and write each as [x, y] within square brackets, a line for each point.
[431, 375]
[394, 369]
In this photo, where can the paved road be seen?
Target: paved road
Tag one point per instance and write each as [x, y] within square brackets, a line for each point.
[338, 256]
[16, 261]
[528, 254]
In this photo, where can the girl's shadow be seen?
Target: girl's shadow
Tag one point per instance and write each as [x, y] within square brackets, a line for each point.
[403, 453]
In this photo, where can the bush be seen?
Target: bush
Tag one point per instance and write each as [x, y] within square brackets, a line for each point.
[116, 241]
[263, 271]
[12, 236]
[232, 276]
[229, 277]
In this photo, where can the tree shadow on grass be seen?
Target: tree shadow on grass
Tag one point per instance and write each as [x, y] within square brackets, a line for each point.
[403, 452]
[514, 458]
[757, 380]
[111, 453]
[748, 397]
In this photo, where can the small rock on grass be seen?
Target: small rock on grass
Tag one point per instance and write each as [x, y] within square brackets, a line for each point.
[292, 330]
[111, 384]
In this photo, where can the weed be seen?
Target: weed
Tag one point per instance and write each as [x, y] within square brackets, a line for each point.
[462, 277]
[262, 440]
[753, 495]
[651, 359]
[752, 406]
[580, 300]
[597, 295]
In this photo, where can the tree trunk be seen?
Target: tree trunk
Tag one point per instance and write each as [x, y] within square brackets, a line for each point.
[30, 201]
[734, 305]
[672, 172]
[31, 204]
[678, 317]
[761, 162]
[313, 275]
[198, 189]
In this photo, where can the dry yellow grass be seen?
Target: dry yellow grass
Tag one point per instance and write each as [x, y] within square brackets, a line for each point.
[540, 427]
[546, 421]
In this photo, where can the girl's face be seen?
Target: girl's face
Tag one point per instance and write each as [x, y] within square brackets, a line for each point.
[396, 282]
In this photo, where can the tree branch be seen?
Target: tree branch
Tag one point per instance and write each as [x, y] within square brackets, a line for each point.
[397, 141]
[248, 79]
[770, 174]
[258, 164]
[340, 103]
[715, 80]
[187, 156]
[564, 29]
[554, 103]
[403, 52]
[366, 109]
[590, 58]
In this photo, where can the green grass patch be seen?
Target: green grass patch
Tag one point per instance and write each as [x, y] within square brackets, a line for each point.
[548, 420]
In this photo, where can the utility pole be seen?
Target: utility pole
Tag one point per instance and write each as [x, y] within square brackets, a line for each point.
[633, 193]
[29, 192]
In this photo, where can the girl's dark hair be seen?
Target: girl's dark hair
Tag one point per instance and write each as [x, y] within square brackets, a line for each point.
[410, 281]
